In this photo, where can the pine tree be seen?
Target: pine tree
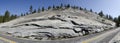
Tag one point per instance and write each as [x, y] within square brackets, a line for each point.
[110, 17]
[76, 7]
[91, 10]
[43, 9]
[1, 18]
[53, 7]
[101, 14]
[61, 5]
[68, 6]
[115, 19]
[12, 17]
[31, 9]
[34, 11]
[57, 7]
[21, 14]
[116, 22]
[81, 8]
[49, 7]
[16, 16]
[107, 16]
[119, 18]
[6, 16]
[39, 10]
[73, 7]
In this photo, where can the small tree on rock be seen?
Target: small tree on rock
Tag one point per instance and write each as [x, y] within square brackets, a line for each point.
[39, 10]
[31, 9]
[49, 7]
[43, 9]
[101, 14]
[91, 10]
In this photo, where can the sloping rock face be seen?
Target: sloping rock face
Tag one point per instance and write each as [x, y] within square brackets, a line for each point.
[56, 25]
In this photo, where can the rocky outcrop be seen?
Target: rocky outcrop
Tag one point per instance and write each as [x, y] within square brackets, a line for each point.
[56, 25]
[52, 29]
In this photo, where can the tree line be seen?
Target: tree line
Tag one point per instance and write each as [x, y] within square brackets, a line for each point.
[117, 21]
[7, 16]
[62, 7]
[109, 17]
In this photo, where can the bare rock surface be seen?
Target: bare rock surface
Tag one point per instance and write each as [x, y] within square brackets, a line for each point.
[56, 25]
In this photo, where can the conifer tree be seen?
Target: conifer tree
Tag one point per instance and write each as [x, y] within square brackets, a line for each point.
[12, 17]
[53, 7]
[81, 8]
[91, 10]
[110, 17]
[61, 5]
[117, 22]
[21, 14]
[107, 16]
[39, 10]
[31, 9]
[1, 18]
[34, 11]
[49, 7]
[57, 7]
[101, 14]
[68, 6]
[6, 16]
[119, 18]
[43, 8]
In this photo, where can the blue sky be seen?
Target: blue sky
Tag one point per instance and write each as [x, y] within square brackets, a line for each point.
[111, 7]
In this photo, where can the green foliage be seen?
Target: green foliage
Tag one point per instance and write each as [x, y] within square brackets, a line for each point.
[118, 18]
[81, 8]
[39, 10]
[43, 8]
[116, 21]
[34, 11]
[57, 7]
[61, 5]
[107, 16]
[1, 19]
[6, 16]
[21, 14]
[53, 7]
[110, 17]
[68, 6]
[101, 14]
[75, 7]
[49, 7]
[91, 10]
[13, 17]
[31, 9]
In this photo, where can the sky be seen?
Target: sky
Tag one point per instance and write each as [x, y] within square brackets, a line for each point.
[111, 7]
